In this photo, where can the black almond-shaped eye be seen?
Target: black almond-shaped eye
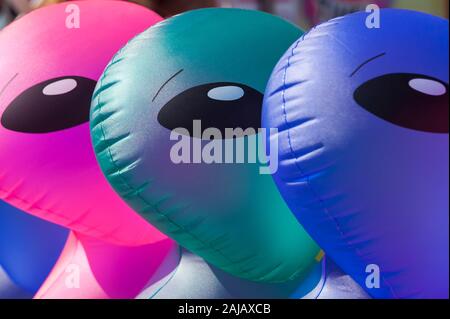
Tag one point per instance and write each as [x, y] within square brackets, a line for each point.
[411, 101]
[50, 106]
[216, 105]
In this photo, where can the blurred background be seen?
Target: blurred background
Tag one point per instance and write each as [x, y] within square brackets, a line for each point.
[305, 13]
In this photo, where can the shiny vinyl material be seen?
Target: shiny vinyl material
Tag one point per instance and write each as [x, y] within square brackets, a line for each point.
[187, 68]
[362, 115]
[49, 69]
[29, 248]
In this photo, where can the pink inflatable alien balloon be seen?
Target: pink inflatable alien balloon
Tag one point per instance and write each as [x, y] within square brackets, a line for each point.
[50, 61]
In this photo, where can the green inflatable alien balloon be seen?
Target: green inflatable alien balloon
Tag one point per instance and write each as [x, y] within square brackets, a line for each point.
[164, 122]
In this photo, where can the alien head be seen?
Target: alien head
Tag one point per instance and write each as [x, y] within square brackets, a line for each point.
[210, 65]
[365, 119]
[50, 61]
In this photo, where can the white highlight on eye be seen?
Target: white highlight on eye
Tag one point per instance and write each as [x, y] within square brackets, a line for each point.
[427, 86]
[60, 87]
[226, 93]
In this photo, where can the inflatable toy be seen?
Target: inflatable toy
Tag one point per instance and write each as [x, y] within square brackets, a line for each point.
[89, 268]
[207, 67]
[324, 281]
[47, 166]
[29, 248]
[9, 289]
[213, 283]
[50, 61]
[362, 119]
[335, 284]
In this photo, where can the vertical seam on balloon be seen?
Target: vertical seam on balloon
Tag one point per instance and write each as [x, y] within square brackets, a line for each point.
[138, 195]
[308, 184]
[180, 252]
[324, 275]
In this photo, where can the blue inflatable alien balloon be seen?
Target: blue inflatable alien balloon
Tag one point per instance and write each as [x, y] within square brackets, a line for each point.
[29, 247]
[362, 118]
